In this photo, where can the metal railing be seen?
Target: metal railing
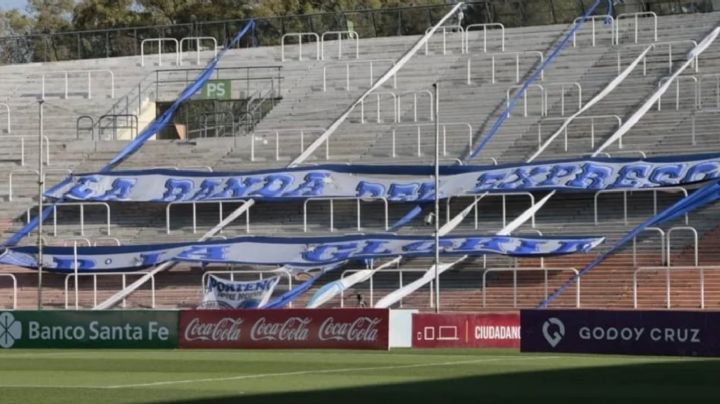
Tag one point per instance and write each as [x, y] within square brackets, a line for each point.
[300, 36]
[701, 86]
[86, 128]
[131, 123]
[94, 276]
[351, 35]
[14, 288]
[6, 107]
[668, 289]
[515, 282]
[541, 89]
[71, 242]
[606, 19]
[534, 232]
[198, 40]
[662, 243]
[31, 139]
[445, 29]
[431, 110]
[640, 153]
[694, 86]
[331, 211]
[544, 96]
[397, 105]
[218, 126]
[625, 204]
[591, 118]
[418, 133]
[371, 284]
[636, 18]
[160, 42]
[503, 197]
[693, 124]
[104, 241]
[66, 76]
[378, 111]
[484, 27]
[694, 233]
[246, 81]
[563, 86]
[88, 242]
[669, 44]
[258, 136]
[517, 55]
[283, 273]
[194, 204]
[371, 77]
[655, 46]
[32, 172]
[137, 98]
[82, 206]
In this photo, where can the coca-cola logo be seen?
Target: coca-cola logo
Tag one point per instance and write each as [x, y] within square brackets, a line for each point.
[292, 329]
[362, 329]
[225, 329]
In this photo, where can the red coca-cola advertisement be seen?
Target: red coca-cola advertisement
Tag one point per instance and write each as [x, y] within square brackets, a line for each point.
[491, 330]
[289, 328]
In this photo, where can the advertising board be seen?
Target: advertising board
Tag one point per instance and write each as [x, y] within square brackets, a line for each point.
[482, 330]
[289, 328]
[88, 329]
[687, 333]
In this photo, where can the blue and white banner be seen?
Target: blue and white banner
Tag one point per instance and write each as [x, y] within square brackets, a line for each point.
[225, 294]
[396, 183]
[296, 251]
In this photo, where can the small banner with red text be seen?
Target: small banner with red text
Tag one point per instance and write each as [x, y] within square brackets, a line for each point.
[501, 330]
[290, 328]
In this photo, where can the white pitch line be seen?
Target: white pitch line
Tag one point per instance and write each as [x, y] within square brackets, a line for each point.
[282, 374]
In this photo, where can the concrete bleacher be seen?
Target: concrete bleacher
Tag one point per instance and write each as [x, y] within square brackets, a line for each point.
[305, 104]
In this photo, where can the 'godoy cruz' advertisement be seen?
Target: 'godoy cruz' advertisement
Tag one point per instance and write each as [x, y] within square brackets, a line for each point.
[621, 332]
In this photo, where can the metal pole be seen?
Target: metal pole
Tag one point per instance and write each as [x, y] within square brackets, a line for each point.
[437, 201]
[40, 204]
[75, 266]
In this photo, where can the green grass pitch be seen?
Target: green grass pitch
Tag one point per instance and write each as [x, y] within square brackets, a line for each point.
[342, 377]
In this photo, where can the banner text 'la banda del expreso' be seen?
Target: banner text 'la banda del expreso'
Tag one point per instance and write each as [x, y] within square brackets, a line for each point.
[394, 183]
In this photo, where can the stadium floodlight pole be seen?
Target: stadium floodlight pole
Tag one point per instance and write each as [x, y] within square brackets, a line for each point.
[41, 181]
[437, 200]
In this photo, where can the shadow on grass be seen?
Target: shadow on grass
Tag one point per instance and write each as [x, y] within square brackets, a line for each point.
[667, 382]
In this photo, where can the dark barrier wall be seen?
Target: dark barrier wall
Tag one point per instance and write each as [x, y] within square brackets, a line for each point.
[89, 329]
[290, 328]
[684, 333]
[483, 330]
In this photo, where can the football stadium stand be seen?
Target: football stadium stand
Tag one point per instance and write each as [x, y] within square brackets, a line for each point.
[273, 102]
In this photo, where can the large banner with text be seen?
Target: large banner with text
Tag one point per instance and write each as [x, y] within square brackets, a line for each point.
[89, 329]
[394, 183]
[309, 252]
[482, 330]
[686, 333]
[290, 328]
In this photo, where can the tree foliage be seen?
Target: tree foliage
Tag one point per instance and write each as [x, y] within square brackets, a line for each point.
[20, 42]
[45, 16]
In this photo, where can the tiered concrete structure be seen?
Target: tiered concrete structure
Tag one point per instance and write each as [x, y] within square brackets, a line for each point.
[469, 103]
